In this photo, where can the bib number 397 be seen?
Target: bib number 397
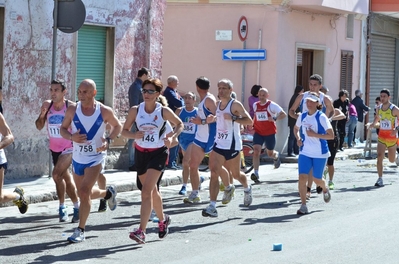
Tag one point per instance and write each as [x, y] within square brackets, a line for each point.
[222, 136]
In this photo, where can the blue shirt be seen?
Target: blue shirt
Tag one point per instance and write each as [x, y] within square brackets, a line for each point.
[174, 99]
[135, 95]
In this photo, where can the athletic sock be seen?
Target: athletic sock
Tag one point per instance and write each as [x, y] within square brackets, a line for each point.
[213, 204]
[257, 172]
[108, 195]
[17, 197]
[76, 205]
[81, 229]
[62, 205]
[228, 188]
[184, 184]
[195, 192]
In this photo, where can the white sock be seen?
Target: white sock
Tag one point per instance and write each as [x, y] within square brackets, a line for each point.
[227, 188]
[76, 205]
[195, 192]
[17, 197]
[184, 184]
[62, 205]
[257, 172]
[212, 203]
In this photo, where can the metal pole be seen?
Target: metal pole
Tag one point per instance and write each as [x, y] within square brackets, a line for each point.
[53, 69]
[259, 46]
[243, 75]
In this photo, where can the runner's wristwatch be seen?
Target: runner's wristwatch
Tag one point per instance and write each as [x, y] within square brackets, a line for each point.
[203, 121]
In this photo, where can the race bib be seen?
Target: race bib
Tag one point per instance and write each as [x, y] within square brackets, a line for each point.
[224, 135]
[189, 128]
[261, 116]
[150, 136]
[88, 148]
[54, 131]
[385, 124]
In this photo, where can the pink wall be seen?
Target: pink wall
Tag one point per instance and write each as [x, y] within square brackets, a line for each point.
[191, 50]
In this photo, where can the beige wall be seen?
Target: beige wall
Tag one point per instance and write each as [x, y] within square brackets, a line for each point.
[190, 49]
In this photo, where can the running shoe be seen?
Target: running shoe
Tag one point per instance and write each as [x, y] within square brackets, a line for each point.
[63, 214]
[193, 198]
[248, 197]
[75, 218]
[302, 210]
[397, 161]
[331, 185]
[183, 190]
[255, 178]
[103, 205]
[210, 211]
[153, 216]
[77, 236]
[319, 189]
[379, 182]
[277, 162]
[164, 227]
[21, 202]
[327, 196]
[228, 195]
[221, 187]
[112, 201]
[138, 236]
[202, 179]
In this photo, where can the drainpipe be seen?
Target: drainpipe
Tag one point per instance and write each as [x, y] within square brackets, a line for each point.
[368, 60]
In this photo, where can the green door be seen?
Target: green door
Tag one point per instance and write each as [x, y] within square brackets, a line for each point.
[91, 57]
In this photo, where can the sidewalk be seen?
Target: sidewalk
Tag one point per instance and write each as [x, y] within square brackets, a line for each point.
[42, 189]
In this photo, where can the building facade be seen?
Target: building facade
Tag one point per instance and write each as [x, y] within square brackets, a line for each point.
[301, 37]
[118, 37]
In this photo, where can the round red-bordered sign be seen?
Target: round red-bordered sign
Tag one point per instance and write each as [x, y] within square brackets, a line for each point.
[243, 28]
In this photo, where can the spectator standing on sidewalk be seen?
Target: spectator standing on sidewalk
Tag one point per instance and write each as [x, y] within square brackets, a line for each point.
[174, 101]
[361, 108]
[135, 98]
[351, 124]
[342, 103]
[253, 99]
[292, 147]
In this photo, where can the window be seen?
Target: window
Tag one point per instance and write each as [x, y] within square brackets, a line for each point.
[350, 24]
[346, 70]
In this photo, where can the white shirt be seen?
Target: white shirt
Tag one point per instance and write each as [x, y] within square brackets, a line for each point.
[313, 147]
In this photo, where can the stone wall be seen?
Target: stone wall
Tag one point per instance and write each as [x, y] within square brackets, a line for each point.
[27, 65]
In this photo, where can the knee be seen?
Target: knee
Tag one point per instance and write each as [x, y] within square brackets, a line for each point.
[84, 193]
[146, 193]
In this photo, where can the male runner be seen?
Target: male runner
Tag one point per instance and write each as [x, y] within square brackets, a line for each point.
[387, 114]
[53, 113]
[88, 119]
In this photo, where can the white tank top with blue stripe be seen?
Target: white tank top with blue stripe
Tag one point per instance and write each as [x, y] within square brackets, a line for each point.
[94, 127]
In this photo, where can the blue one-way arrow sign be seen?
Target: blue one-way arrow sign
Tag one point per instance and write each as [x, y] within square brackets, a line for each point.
[244, 54]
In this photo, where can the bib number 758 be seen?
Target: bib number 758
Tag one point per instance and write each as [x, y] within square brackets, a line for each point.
[86, 149]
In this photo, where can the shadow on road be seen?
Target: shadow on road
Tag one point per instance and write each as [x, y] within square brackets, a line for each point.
[275, 219]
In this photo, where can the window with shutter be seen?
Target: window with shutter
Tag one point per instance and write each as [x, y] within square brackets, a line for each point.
[346, 71]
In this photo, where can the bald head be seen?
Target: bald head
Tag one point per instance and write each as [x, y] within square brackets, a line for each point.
[263, 95]
[88, 83]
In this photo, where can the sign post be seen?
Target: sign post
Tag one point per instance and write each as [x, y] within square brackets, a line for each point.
[243, 34]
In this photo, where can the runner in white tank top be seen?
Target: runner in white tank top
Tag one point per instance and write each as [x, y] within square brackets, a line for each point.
[230, 115]
[89, 118]
[17, 197]
[152, 143]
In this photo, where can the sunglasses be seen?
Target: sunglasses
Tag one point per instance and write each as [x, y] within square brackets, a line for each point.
[148, 91]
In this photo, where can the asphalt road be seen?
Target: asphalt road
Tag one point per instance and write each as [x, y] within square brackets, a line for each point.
[359, 225]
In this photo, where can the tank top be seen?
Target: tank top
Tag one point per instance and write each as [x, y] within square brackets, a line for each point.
[189, 129]
[228, 135]
[153, 125]
[3, 158]
[94, 127]
[262, 125]
[205, 133]
[54, 121]
[387, 120]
